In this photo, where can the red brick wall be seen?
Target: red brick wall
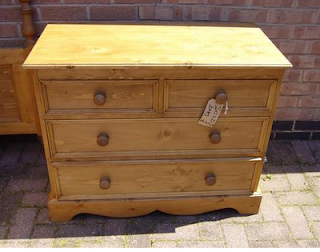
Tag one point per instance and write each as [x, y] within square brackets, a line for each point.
[293, 25]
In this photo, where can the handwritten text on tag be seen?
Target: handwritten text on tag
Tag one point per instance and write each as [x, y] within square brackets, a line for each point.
[211, 113]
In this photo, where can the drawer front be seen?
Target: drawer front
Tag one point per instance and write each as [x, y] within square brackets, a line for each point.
[109, 137]
[103, 179]
[101, 96]
[245, 97]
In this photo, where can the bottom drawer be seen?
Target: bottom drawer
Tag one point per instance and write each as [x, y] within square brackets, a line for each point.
[98, 180]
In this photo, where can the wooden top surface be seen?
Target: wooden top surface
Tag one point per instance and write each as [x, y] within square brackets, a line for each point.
[122, 46]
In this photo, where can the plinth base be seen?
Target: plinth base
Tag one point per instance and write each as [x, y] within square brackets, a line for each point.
[66, 210]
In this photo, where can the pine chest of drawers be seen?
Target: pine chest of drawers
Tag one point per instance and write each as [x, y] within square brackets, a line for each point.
[119, 108]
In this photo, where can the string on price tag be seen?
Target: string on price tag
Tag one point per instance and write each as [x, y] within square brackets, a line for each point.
[211, 113]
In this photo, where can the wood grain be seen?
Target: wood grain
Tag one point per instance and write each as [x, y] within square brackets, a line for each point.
[121, 96]
[193, 95]
[119, 116]
[83, 179]
[45, 134]
[203, 46]
[158, 73]
[25, 95]
[28, 26]
[12, 127]
[275, 93]
[66, 210]
[145, 135]
[18, 112]
[17, 102]
[8, 104]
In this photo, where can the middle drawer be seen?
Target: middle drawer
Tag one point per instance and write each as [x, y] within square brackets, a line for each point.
[145, 137]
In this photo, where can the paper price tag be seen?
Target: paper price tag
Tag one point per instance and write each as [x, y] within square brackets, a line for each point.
[211, 113]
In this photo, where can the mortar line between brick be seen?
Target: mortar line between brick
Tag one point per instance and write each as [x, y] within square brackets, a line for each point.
[88, 12]
[34, 223]
[223, 235]
[19, 161]
[259, 24]
[246, 234]
[238, 7]
[313, 230]
[14, 213]
[126, 241]
[280, 210]
[307, 225]
[274, 245]
[310, 137]
[316, 196]
[7, 234]
[137, 9]
[289, 182]
[237, 224]
[296, 40]
[198, 230]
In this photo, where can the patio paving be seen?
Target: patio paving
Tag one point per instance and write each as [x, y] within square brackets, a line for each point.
[289, 214]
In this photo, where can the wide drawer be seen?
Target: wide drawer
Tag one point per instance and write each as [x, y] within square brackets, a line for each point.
[83, 138]
[122, 179]
[103, 96]
[245, 97]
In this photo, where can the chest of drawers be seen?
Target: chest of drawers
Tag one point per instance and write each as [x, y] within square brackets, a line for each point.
[119, 107]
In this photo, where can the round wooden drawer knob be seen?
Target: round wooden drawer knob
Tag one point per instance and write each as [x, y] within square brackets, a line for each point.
[221, 97]
[105, 183]
[210, 179]
[99, 98]
[103, 139]
[215, 137]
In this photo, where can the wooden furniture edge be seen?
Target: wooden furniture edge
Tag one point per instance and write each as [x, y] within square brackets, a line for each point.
[66, 210]
[256, 177]
[28, 26]
[28, 122]
[164, 73]
[151, 66]
[29, 32]
[43, 128]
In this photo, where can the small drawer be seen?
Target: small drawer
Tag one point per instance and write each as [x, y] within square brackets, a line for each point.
[126, 137]
[122, 179]
[103, 96]
[245, 97]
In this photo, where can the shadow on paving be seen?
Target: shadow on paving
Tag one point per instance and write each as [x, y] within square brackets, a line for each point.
[154, 223]
[23, 195]
[24, 189]
[292, 157]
